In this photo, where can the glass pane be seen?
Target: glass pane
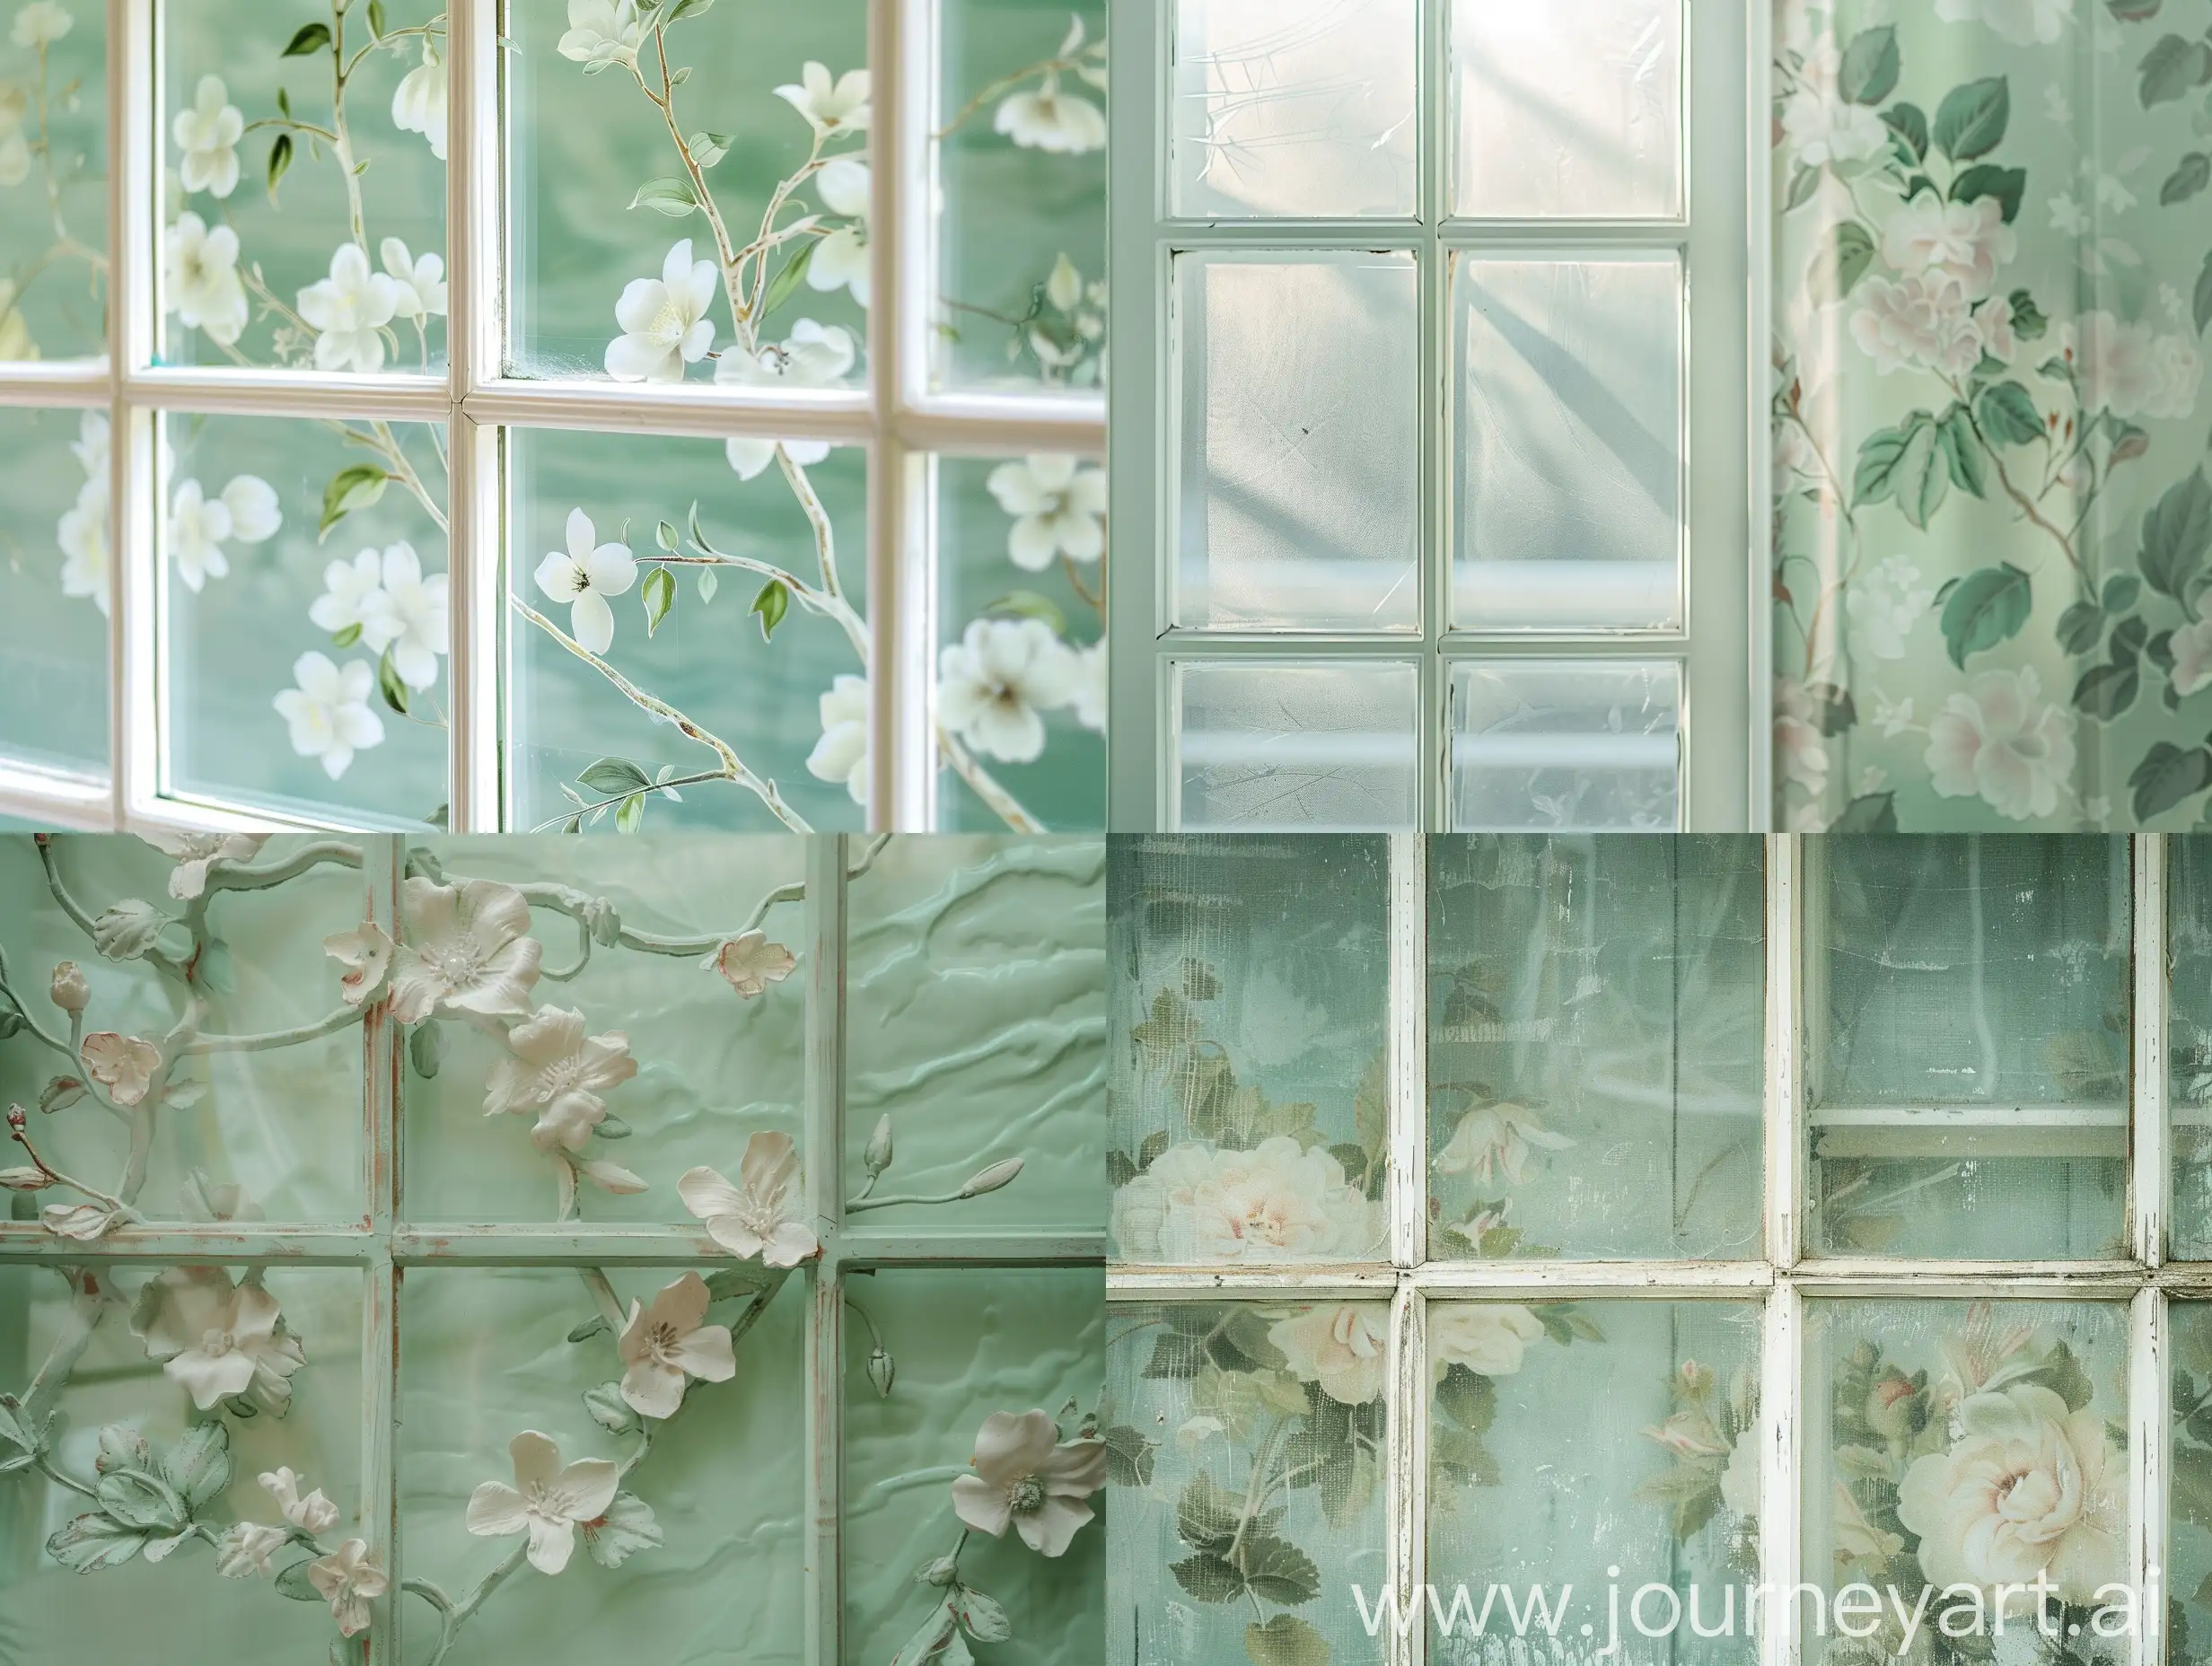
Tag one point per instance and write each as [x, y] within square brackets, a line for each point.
[620, 268]
[1567, 465]
[2189, 1543]
[1568, 109]
[482, 1360]
[1020, 132]
[1249, 1099]
[1293, 107]
[1022, 646]
[789, 704]
[54, 167]
[1540, 743]
[1607, 1448]
[54, 586]
[968, 1347]
[1298, 478]
[305, 225]
[1959, 1446]
[1297, 745]
[1596, 1046]
[1247, 1475]
[303, 567]
[1968, 1013]
[2189, 1045]
[230, 1128]
[975, 998]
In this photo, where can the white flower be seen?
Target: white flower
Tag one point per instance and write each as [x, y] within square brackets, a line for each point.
[663, 320]
[195, 853]
[1027, 1476]
[246, 1548]
[1089, 699]
[419, 285]
[1822, 129]
[251, 502]
[1919, 322]
[584, 576]
[1892, 717]
[2192, 657]
[467, 948]
[207, 134]
[90, 448]
[995, 681]
[842, 752]
[366, 953]
[546, 1502]
[349, 1580]
[1993, 327]
[558, 1072]
[348, 588]
[1967, 242]
[329, 711]
[82, 534]
[2129, 370]
[123, 1064]
[841, 108]
[348, 310]
[814, 356]
[1344, 1348]
[418, 105]
[2023, 23]
[199, 278]
[313, 1514]
[1998, 740]
[601, 33]
[840, 258]
[760, 1219]
[406, 615]
[1884, 607]
[752, 962]
[199, 526]
[1489, 1338]
[1049, 119]
[664, 1344]
[41, 23]
[1057, 505]
[2067, 216]
[1277, 1201]
[1496, 1138]
[215, 1339]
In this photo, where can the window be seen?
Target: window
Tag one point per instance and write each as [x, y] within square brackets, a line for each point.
[744, 1263]
[1658, 1218]
[1430, 386]
[496, 412]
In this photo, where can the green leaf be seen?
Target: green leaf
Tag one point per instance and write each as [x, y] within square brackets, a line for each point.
[626, 1528]
[2202, 308]
[1468, 1398]
[1028, 604]
[425, 1048]
[781, 285]
[2081, 628]
[2177, 536]
[279, 160]
[611, 1126]
[1963, 452]
[377, 25]
[1205, 1515]
[18, 1429]
[709, 584]
[2121, 591]
[671, 196]
[929, 1642]
[658, 593]
[1905, 464]
[1174, 1356]
[389, 683]
[610, 1410]
[142, 1502]
[596, 1324]
[312, 37]
[1285, 1640]
[352, 488]
[346, 638]
[2171, 68]
[2105, 691]
[1986, 178]
[198, 1465]
[687, 8]
[1870, 65]
[2028, 320]
[1277, 1570]
[2008, 414]
[709, 148]
[665, 535]
[1871, 813]
[2167, 775]
[2133, 11]
[1833, 711]
[611, 776]
[982, 1617]
[1972, 119]
[771, 604]
[1129, 1457]
[1983, 609]
[93, 1541]
[1802, 185]
[1839, 265]
[2190, 175]
[631, 816]
[1908, 122]
[293, 1581]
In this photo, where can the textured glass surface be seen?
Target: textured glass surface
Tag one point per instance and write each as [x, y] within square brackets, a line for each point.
[1949, 1446]
[1544, 743]
[54, 586]
[1246, 1090]
[2189, 1045]
[1308, 745]
[1247, 1481]
[1020, 558]
[483, 1356]
[304, 208]
[791, 708]
[1293, 107]
[1297, 499]
[968, 1344]
[1570, 108]
[1596, 1046]
[54, 182]
[303, 564]
[1591, 1449]
[1568, 450]
[2189, 1544]
[1968, 1010]
[283, 1126]
[975, 977]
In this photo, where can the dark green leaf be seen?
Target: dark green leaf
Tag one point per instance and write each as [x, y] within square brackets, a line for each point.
[1207, 1578]
[2190, 175]
[377, 25]
[771, 604]
[2028, 320]
[613, 776]
[658, 593]
[1277, 1570]
[592, 1327]
[2202, 308]
[1909, 123]
[2127, 638]
[2008, 414]
[351, 488]
[1871, 813]
[2133, 11]
[1174, 1355]
[671, 196]
[1906, 464]
[1972, 119]
[2167, 775]
[2081, 628]
[279, 160]
[1468, 1398]
[1833, 711]
[687, 8]
[1962, 450]
[1986, 178]
[1839, 265]
[1129, 1457]
[312, 37]
[2105, 691]
[390, 684]
[425, 1048]
[2121, 591]
[1985, 608]
[2177, 536]
[2173, 67]
[1870, 65]
[1205, 1515]
[784, 283]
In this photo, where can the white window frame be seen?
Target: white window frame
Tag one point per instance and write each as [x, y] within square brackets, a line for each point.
[1780, 1279]
[1720, 238]
[898, 420]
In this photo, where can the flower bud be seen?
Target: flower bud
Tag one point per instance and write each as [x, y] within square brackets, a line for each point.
[992, 1178]
[877, 1157]
[70, 993]
[25, 1179]
[882, 1371]
[18, 1119]
[943, 1571]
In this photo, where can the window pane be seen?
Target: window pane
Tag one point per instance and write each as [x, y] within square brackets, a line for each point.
[1247, 1475]
[303, 569]
[1541, 743]
[2189, 1544]
[1968, 1014]
[54, 154]
[1297, 745]
[54, 586]
[619, 268]
[1294, 107]
[1598, 1447]
[1568, 464]
[1299, 471]
[1022, 650]
[304, 229]
[1596, 1046]
[1572, 108]
[1248, 1096]
[1021, 128]
[792, 708]
[2188, 1049]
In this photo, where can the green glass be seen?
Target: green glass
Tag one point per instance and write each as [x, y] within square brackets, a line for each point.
[54, 182]
[54, 587]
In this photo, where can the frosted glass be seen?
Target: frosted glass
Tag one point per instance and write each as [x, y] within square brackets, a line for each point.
[2189, 1044]
[1248, 1096]
[1544, 744]
[54, 164]
[1596, 1046]
[54, 580]
[1293, 107]
[2189, 1544]
[1569, 108]
[1298, 498]
[1969, 1013]
[1568, 448]
[1297, 745]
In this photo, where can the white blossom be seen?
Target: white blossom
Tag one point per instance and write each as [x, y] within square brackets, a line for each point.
[1884, 607]
[418, 282]
[840, 259]
[465, 948]
[1822, 129]
[1058, 507]
[199, 278]
[1489, 1338]
[842, 752]
[123, 1064]
[663, 1344]
[2192, 657]
[814, 356]
[215, 1339]
[761, 1218]
[546, 1501]
[995, 682]
[1028, 1478]
[663, 320]
[208, 134]
[1967, 242]
[329, 711]
[584, 576]
[1050, 119]
[750, 963]
[310, 1513]
[349, 1578]
[1999, 739]
[197, 527]
[348, 310]
[1497, 1139]
[405, 616]
[245, 1548]
[1195, 1205]
[196, 852]
[2130, 370]
[1344, 1347]
[366, 954]
[419, 104]
[41, 23]
[601, 33]
[348, 588]
[557, 1071]
[830, 107]
[82, 534]
[1089, 699]
[1922, 321]
[250, 502]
